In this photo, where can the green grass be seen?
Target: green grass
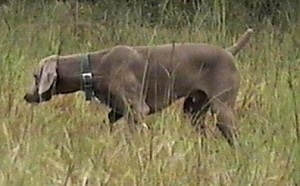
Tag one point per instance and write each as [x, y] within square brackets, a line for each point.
[65, 142]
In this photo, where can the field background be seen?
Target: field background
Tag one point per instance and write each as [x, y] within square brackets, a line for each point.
[66, 142]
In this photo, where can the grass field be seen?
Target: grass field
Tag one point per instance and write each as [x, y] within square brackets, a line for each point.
[65, 142]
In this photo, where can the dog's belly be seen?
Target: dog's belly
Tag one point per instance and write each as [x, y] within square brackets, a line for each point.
[163, 88]
[159, 103]
[161, 93]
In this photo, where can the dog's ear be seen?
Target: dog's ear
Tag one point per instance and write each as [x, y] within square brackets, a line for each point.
[48, 76]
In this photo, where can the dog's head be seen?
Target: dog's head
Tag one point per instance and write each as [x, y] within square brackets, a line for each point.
[44, 84]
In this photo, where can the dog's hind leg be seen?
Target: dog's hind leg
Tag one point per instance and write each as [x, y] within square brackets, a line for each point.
[225, 120]
[196, 106]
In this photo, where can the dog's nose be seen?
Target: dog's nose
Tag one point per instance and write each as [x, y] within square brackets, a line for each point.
[26, 97]
[30, 98]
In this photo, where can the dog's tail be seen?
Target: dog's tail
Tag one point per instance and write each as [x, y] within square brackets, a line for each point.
[244, 39]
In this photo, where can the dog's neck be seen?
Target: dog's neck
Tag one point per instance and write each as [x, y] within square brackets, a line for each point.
[70, 73]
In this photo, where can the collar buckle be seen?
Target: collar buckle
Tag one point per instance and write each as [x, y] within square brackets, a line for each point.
[87, 78]
[86, 75]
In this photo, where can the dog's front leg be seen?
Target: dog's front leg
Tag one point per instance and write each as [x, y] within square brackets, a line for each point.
[126, 88]
[137, 110]
[113, 116]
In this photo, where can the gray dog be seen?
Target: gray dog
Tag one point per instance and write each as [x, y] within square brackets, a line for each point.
[139, 80]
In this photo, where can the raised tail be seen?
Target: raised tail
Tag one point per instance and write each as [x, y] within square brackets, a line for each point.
[244, 39]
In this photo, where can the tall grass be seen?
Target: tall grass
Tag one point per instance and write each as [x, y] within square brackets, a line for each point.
[65, 142]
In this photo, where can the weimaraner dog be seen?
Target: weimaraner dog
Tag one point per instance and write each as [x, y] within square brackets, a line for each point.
[139, 80]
